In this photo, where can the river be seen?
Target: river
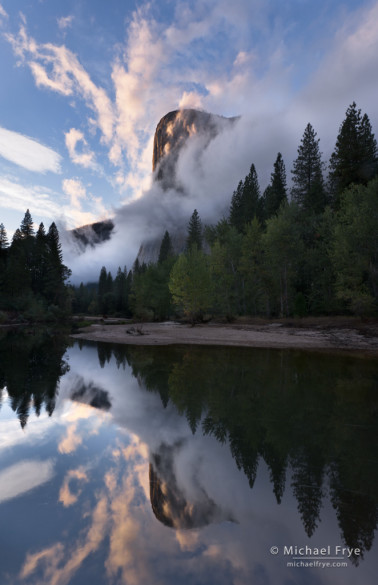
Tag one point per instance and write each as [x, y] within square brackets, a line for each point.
[185, 465]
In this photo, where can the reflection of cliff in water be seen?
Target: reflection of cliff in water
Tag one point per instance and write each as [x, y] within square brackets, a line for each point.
[169, 504]
[31, 364]
[311, 417]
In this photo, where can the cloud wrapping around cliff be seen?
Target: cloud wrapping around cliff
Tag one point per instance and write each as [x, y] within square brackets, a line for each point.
[277, 65]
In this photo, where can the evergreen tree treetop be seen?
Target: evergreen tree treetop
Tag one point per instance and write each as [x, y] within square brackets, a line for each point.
[245, 201]
[3, 237]
[26, 228]
[355, 158]
[308, 184]
[194, 231]
[166, 248]
[275, 193]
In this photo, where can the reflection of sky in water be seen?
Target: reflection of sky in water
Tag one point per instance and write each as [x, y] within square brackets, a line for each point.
[75, 497]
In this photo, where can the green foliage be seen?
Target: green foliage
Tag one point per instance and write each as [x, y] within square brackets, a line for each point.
[355, 253]
[166, 249]
[283, 249]
[355, 158]
[195, 236]
[245, 201]
[254, 270]
[275, 194]
[32, 273]
[3, 237]
[150, 297]
[227, 286]
[190, 283]
[308, 189]
[26, 227]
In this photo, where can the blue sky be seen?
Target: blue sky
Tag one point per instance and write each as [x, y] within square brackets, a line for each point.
[84, 83]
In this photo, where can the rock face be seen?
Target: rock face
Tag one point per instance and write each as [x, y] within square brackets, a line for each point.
[93, 234]
[172, 133]
[169, 503]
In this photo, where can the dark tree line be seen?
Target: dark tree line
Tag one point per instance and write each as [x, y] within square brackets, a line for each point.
[32, 274]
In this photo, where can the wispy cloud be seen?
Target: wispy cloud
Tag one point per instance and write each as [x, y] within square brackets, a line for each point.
[75, 189]
[23, 477]
[65, 22]
[46, 203]
[58, 69]
[28, 153]
[86, 158]
[3, 13]
[65, 495]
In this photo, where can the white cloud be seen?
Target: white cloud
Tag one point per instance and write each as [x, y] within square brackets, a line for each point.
[46, 203]
[58, 69]
[3, 13]
[65, 22]
[28, 153]
[86, 158]
[23, 477]
[75, 189]
[15, 196]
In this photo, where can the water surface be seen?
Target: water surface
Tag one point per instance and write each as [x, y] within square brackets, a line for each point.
[130, 465]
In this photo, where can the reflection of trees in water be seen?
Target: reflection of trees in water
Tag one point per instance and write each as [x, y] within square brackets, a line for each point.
[31, 365]
[311, 413]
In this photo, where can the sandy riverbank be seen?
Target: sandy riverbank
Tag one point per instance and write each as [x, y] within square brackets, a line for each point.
[274, 335]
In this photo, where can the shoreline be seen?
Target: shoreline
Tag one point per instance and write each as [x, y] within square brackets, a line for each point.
[271, 335]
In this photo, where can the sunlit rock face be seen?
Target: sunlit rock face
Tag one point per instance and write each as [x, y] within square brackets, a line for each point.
[170, 504]
[172, 133]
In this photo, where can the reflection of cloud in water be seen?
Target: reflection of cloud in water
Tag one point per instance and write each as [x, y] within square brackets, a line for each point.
[23, 477]
[66, 496]
[168, 500]
[60, 562]
[70, 441]
[201, 472]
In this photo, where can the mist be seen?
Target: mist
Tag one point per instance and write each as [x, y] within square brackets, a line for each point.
[207, 173]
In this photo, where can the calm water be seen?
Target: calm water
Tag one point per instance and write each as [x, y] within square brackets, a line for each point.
[169, 466]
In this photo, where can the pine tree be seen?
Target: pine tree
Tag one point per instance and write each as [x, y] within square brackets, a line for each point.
[194, 231]
[276, 192]
[166, 249]
[102, 287]
[308, 184]
[3, 237]
[56, 272]
[26, 227]
[355, 157]
[237, 207]
[245, 201]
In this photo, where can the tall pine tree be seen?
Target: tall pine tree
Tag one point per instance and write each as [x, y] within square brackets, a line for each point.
[166, 249]
[195, 236]
[26, 227]
[308, 184]
[276, 192]
[245, 201]
[355, 157]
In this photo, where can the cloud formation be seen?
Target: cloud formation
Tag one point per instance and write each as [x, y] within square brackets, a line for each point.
[259, 70]
[23, 477]
[65, 22]
[28, 153]
[86, 158]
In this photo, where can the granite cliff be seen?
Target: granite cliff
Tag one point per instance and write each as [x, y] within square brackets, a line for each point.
[172, 133]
